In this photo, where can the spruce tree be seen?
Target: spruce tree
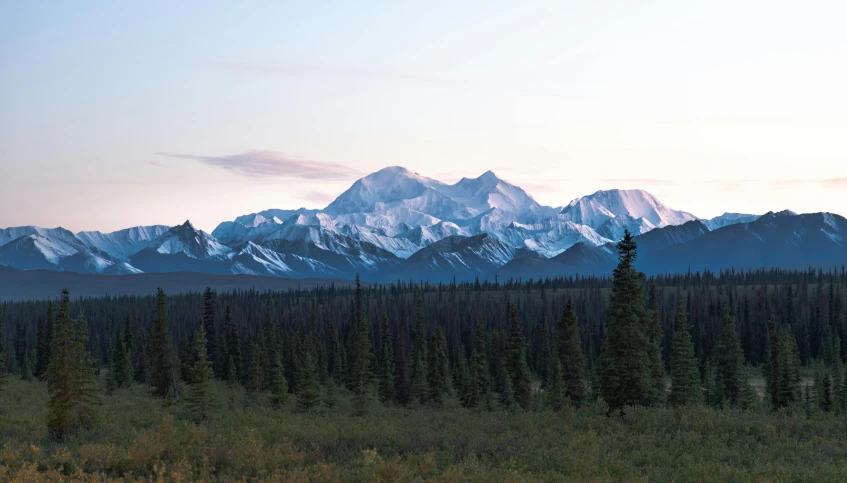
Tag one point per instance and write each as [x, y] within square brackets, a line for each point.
[420, 387]
[121, 363]
[210, 328]
[569, 348]
[518, 369]
[200, 400]
[685, 380]
[26, 370]
[361, 375]
[386, 366]
[625, 370]
[826, 393]
[653, 329]
[308, 395]
[546, 357]
[111, 384]
[270, 349]
[507, 390]
[330, 395]
[161, 348]
[785, 390]
[256, 374]
[556, 388]
[278, 383]
[232, 341]
[771, 365]
[438, 366]
[730, 360]
[479, 373]
[69, 375]
[43, 335]
[3, 371]
[402, 383]
[419, 357]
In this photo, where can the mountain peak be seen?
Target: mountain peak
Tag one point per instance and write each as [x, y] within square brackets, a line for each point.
[597, 208]
[489, 175]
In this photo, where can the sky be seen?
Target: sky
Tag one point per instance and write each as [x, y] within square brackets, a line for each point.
[115, 115]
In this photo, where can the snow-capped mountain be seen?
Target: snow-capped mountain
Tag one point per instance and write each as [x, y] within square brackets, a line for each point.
[614, 228]
[596, 209]
[398, 224]
[457, 256]
[122, 244]
[727, 219]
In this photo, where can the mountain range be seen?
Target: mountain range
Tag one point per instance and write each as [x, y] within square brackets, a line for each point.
[396, 224]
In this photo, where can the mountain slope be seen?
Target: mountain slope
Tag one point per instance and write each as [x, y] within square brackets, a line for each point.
[596, 209]
[122, 244]
[780, 239]
[457, 256]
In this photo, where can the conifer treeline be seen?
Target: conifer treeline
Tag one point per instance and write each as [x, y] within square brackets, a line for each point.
[481, 342]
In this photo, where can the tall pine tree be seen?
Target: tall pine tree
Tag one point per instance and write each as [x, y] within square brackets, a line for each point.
[730, 380]
[70, 380]
[161, 349]
[685, 380]
[518, 368]
[569, 348]
[200, 400]
[625, 370]
[212, 333]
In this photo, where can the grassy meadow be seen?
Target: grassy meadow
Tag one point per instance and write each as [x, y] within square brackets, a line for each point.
[138, 438]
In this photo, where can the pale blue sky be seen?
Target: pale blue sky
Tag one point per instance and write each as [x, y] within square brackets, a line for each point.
[113, 115]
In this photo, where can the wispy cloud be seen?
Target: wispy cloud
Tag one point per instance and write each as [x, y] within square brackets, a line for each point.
[258, 164]
[153, 163]
[835, 183]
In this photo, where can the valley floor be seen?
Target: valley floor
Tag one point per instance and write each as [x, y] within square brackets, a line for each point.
[138, 438]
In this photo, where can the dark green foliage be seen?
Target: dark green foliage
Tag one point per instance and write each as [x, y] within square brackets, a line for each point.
[330, 395]
[749, 400]
[479, 377]
[402, 383]
[518, 373]
[161, 349]
[361, 376]
[386, 361]
[308, 393]
[270, 350]
[783, 369]
[547, 359]
[556, 396]
[625, 367]
[278, 383]
[26, 370]
[200, 399]
[69, 375]
[255, 381]
[826, 400]
[420, 387]
[685, 380]
[3, 371]
[438, 366]
[569, 349]
[730, 379]
[218, 367]
[232, 342]
[653, 328]
[42, 344]
[506, 389]
[121, 365]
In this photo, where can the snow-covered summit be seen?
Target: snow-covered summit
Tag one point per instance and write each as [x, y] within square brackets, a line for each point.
[187, 240]
[595, 209]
